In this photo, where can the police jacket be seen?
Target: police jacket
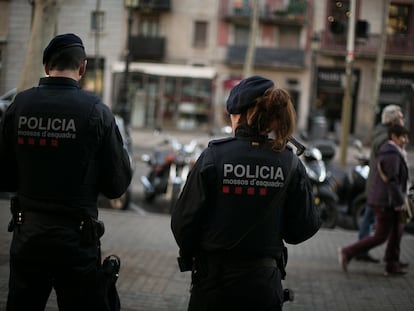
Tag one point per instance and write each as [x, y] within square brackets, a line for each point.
[379, 137]
[225, 203]
[394, 166]
[61, 145]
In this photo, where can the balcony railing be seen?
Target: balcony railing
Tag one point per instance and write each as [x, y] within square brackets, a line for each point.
[240, 12]
[396, 45]
[154, 5]
[147, 48]
[273, 57]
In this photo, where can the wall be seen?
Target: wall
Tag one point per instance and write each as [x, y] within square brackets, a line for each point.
[74, 17]
[15, 50]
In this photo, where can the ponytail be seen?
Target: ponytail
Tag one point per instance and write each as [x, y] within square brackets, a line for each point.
[273, 114]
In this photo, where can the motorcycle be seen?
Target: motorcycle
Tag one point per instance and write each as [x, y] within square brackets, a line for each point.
[121, 203]
[169, 167]
[350, 188]
[322, 182]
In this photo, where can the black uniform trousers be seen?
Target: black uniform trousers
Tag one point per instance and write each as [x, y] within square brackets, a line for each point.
[240, 286]
[53, 256]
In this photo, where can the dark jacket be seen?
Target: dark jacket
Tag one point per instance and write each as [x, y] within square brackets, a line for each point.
[394, 166]
[224, 205]
[379, 136]
[60, 144]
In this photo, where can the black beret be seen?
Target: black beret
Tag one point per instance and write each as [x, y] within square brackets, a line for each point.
[244, 94]
[59, 43]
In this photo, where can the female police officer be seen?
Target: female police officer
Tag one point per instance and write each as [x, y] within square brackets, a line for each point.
[244, 196]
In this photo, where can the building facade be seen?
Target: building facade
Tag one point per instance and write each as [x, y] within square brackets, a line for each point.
[397, 79]
[183, 57]
[105, 43]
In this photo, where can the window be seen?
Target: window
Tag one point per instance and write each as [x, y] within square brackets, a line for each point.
[200, 34]
[149, 26]
[241, 7]
[289, 37]
[398, 19]
[338, 17]
[97, 20]
[241, 35]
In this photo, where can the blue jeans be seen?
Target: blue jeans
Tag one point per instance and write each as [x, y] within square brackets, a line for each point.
[367, 223]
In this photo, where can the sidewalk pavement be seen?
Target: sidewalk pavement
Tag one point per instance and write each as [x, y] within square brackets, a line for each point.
[150, 279]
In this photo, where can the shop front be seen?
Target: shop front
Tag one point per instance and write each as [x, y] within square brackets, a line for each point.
[329, 98]
[398, 88]
[168, 96]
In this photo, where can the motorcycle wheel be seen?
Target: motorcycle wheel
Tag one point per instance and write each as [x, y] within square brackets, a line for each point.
[149, 197]
[358, 209]
[329, 213]
[122, 202]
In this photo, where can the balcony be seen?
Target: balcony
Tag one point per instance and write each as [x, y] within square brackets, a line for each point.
[268, 57]
[147, 48]
[397, 46]
[154, 5]
[291, 15]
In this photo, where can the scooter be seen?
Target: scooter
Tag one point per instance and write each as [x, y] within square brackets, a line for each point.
[169, 167]
[350, 188]
[322, 182]
[121, 203]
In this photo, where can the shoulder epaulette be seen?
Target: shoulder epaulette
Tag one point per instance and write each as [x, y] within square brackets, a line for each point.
[221, 141]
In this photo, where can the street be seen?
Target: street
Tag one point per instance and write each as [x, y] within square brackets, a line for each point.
[150, 280]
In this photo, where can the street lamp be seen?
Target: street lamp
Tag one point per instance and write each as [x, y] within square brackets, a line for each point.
[315, 42]
[315, 113]
[124, 108]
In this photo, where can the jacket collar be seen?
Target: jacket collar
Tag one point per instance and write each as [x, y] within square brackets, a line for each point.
[58, 82]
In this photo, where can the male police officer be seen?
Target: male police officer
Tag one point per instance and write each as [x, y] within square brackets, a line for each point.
[244, 196]
[61, 147]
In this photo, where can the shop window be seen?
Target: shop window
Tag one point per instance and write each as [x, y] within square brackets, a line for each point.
[171, 101]
[195, 104]
[200, 34]
[93, 79]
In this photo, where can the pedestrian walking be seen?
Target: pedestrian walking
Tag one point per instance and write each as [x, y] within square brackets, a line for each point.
[386, 196]
[245, 197]
[390, 115]
[61, 147]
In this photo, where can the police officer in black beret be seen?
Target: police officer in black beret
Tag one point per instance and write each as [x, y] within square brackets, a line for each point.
[60, 147]
[244, 198]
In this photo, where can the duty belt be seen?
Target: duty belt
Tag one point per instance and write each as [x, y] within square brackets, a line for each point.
[52, 219]
[241, 261]
[90, 228]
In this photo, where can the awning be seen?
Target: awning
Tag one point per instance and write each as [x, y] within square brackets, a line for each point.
[167, 70]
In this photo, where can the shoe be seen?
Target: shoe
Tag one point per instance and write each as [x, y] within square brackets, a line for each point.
[366, 257]
[343, 261]
[398, 272]
[403, 264]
